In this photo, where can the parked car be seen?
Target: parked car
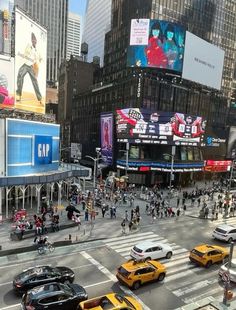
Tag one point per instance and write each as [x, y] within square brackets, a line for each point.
[41, 275]
[232, 270]
[135, 273]
[225, 233]
[151, 250]
[54, 296]
[206, 255]
[110, 301]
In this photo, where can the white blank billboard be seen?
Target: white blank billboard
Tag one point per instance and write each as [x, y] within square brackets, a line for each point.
[203, 62]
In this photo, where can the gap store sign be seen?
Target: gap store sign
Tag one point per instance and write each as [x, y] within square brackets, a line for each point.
[31, 147]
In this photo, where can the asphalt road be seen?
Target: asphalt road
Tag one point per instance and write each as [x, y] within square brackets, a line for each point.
[95, 264]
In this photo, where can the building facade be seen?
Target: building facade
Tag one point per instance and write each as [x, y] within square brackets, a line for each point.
[155, 89]
[73, 35]
[97, 23]
[53, 15]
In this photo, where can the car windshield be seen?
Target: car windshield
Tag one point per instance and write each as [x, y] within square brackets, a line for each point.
[196, 252]
[137, 249]
[128, 303]
[67, 289]
[123, 272]
[220, 230]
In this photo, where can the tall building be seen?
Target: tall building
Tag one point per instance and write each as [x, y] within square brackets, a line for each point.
[158, 89]
[73, 35]
[97, 23]
[53, 15]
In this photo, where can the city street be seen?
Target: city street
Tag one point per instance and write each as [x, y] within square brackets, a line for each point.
[95, 263]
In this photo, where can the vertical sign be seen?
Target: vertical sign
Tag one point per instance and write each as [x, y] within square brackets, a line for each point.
[106, 122]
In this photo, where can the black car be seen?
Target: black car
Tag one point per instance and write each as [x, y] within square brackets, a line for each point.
[54, 296]
[41, 275]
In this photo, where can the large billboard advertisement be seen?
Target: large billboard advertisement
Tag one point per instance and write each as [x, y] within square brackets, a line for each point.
[6, 7]
[30, 63]
[231, 147]
[156, 43]
[31, 147]
[136, 125]
[203, 62]
[6, 82]
[2, 148]
[106, 123]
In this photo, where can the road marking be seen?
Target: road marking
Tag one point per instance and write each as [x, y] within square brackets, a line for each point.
[201, 296]
[98, 283]
[5, 283]
[9, 307]
[82, 266]
[194, 287]
[112, 277]
[143, 235]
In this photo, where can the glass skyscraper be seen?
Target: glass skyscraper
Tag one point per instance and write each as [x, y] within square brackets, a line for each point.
[53, 15]
[73, 35]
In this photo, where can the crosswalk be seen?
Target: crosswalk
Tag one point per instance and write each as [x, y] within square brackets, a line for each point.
[186, 281]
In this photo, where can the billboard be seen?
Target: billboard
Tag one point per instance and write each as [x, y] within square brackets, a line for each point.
[2, 148]
[6, 7]
[31, 147]
[203, 62]
[156, 43]
[106, 123]
[76, 151]
[136, 125]
[218, 165]
[30, 63]
[231, 147]
[7, 99]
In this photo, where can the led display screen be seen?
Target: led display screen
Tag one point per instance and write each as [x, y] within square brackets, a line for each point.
[156, 43]
[136, 125]
[106, 123]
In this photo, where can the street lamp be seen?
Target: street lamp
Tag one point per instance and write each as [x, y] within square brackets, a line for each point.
[126, 158]
[95, 159]
[172, 155]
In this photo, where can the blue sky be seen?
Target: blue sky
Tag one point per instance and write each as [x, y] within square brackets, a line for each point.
[77, 6]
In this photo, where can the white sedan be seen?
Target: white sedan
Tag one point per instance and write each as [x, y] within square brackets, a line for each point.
[150, 250]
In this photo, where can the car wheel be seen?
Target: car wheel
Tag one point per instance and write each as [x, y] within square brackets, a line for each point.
[148, 258]
[230, 240]
[208, 264]
[136, 285]
[161, 277]
[169, 255]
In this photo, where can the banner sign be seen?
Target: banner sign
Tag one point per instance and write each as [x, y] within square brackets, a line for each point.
[218, 165]
[106, 123]
[137, 125]
[42, 150]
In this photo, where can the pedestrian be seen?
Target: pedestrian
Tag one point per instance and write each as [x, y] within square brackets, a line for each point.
[103, 210]
[126, 216]
[178, 199]
[77, 220]
[130, 225]
[153, 217]
[111, 213]
[123, 227]
[184, 209]
[178, 213]
[86, 214]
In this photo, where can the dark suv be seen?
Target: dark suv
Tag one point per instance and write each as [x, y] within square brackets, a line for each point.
[54, 296]
[41, 275]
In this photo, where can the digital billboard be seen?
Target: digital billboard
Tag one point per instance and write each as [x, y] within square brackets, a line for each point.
[136, 125]
[7, 99]
[31, 147]
[231, 147]
[156, 43]
[30, 63]
[2, 148]
[6, 7]
[106, 130]
[203, 62]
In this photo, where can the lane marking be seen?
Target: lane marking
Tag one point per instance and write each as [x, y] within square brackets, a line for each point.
[131, 236]
[112, 277]
[98, 283]
[9, 307]
[5, 283]
[194, 287]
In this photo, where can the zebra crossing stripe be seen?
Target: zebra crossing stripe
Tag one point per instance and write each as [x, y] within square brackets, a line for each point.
[130, 236]
[133, 242]
[211, 292]
[175, 263]
[178, 275]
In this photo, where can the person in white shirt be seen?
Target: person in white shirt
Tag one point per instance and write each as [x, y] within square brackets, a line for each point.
[31, 66]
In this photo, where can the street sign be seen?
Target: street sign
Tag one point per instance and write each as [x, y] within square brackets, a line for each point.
[225, 277]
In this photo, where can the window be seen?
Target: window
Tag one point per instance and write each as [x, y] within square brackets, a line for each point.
[48, 300]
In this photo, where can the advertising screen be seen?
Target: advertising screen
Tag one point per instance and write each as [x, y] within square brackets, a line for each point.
[2, 148]
[6, 7]
[156, 43]
[31, 147]
[6, 82]
[203, 62]
[231, 147]
[218, 165]
[106, 123]
[30, 64]
[136, 125]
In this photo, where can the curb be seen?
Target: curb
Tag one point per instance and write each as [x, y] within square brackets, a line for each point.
[56, 244]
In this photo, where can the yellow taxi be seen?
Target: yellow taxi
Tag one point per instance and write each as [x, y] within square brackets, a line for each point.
[110, 301]
[206, 255]
[135, 273]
